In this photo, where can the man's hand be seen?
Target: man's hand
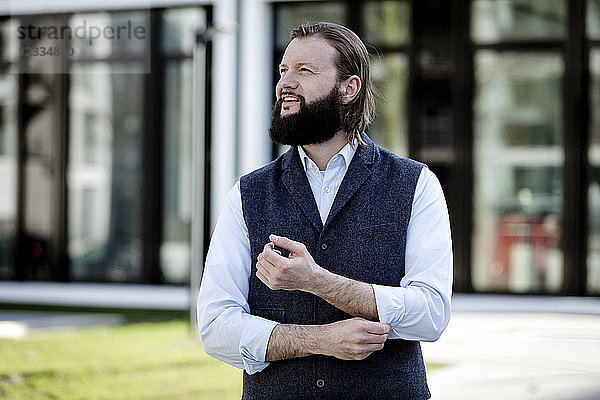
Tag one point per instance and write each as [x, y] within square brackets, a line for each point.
[350, 339]
[296, 272]
[300, 272]
[356, 338]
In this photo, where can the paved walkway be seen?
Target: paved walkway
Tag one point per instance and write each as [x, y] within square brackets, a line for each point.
[517, 356]
[18, 324]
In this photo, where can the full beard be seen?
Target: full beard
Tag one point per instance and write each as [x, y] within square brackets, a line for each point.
[315, 122]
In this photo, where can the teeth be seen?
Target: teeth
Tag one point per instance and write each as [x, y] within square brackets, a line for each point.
[289, 98]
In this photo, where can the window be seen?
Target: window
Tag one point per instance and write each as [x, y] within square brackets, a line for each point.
[105, 172]
[177, 44]
[104, 180]
[8, 150]
[109, 142]
[593, 261]
[593, 19]
[386, 23]
[386, 26]
[518, 178]
[289, 16]
[389, 73]
[495, 21]
[518, 146]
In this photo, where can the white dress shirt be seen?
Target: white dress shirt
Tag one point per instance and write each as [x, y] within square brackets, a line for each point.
[417, 309]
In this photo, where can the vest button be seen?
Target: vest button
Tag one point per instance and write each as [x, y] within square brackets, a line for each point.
[320, 383]
[324, 246]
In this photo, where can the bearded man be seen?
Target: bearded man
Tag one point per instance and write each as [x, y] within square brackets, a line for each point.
[328, 265]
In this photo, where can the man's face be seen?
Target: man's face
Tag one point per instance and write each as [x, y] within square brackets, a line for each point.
[308, 104]
[307, 69]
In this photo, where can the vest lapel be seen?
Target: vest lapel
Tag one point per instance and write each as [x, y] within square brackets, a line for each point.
[357, 173]
[295, 181]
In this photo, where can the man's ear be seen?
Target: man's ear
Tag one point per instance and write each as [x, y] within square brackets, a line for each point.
[350, 89]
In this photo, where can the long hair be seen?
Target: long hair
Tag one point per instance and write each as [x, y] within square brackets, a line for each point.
[352, 59]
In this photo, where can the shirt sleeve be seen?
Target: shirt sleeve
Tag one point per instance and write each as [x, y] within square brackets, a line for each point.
[227, 330]
[419, 309]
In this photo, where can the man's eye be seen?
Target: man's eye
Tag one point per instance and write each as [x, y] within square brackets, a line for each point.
[282, 71]
[305, 70]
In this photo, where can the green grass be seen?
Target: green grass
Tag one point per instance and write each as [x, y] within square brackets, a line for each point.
[152, 357]
[157, 360]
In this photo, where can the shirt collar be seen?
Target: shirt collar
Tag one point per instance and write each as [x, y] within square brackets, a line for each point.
[347, 152]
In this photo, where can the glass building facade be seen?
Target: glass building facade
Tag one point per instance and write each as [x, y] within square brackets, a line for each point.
[95, 162]
[501, 98]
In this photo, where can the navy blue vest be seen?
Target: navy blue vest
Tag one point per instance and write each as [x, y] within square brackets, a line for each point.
[364, 238]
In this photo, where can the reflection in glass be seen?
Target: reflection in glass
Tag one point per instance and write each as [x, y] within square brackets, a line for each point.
[179, 29]
[8, 171]
[593, 19]
[177, 200]
[386, 23]
[104, 173]
[518, 160]
[104, 35]
[40, 178]
[9, 39]
[498, 20]
[290, 16]
[29, 43]
[593, 272]
[390, 77]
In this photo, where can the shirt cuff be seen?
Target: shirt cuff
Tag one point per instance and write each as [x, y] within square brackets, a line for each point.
[391, 307]
[254, 342]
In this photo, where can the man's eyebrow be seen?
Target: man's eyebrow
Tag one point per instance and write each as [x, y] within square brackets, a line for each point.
[299, 64]
[307, 64]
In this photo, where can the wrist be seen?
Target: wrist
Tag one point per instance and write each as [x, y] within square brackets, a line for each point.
[317, 280]
[321, 336]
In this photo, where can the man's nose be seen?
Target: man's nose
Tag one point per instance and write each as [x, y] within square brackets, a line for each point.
[288, 81]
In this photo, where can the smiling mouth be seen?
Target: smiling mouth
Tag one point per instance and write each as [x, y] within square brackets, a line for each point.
[288, 99]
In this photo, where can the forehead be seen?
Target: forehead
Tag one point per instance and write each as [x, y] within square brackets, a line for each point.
[313, 50]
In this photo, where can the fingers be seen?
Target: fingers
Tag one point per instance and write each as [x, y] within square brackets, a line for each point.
[378, 328]
[263, 271]
[266, 261]
[264, 267]
[271, 256]
[374, 334]
[288, 244]
[263, 277]
[368, 344]
[269, 266]
[376, 339]
[371, 347]
[363, 350]
[353, 338]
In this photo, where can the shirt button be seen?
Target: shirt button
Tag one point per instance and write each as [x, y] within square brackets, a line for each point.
[328, 189]
[324, 246]
[320, 383]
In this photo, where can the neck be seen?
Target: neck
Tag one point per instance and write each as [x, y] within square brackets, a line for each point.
[321, 153]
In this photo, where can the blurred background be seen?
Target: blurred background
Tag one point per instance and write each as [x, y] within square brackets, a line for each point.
[104, 155]
[501, 98]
